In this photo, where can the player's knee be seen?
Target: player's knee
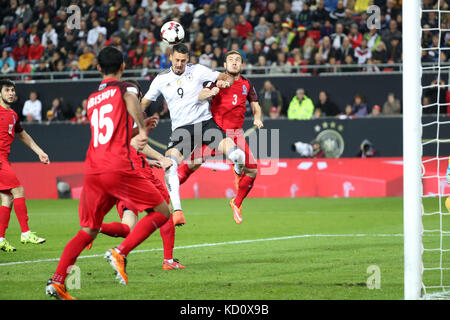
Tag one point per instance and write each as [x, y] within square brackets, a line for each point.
[251, 171]
[7, 200]
[90, 231]
[163, 208]
[18, 192]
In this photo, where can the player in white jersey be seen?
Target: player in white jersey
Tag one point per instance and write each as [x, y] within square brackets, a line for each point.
[192, 122]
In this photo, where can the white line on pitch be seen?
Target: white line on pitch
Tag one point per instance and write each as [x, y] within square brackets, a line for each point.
[220, 244]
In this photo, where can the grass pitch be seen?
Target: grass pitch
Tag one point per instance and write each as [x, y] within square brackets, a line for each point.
[285, 249]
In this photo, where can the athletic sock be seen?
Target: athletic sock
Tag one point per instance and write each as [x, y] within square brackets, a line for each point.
[173, 185]
[115, 229]
[167, 231]
[70, 254]
[21, 212]
[143, 229]
[245, 185]
[184, 172]
[5, 214]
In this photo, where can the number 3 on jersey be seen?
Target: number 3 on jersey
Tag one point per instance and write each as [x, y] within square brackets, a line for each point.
[100, 121]
[235, 98]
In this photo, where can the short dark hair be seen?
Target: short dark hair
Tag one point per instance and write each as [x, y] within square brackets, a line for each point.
[229, 53]
[110, 60]
[180, 48]
[7, 83]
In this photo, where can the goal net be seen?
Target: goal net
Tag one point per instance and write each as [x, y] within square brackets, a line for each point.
[426, 137]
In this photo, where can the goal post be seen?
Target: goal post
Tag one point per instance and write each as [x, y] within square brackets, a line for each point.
[412, 150]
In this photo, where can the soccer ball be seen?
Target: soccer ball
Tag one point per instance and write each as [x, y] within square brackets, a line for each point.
[172, 32]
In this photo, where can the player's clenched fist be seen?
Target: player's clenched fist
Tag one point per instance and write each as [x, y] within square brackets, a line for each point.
[140, 141]
[44, 158]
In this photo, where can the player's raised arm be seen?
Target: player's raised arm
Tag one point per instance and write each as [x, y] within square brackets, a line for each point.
[30, 143]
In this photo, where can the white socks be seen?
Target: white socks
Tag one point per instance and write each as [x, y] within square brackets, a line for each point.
[237, 156]
[173, 185]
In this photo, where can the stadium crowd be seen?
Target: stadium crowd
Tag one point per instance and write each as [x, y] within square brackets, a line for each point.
[35, 35]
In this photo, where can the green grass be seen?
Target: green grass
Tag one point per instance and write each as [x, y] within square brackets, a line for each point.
[356, 234]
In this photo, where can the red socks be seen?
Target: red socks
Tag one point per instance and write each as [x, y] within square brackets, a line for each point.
[143, 229]
[167, 231]
[184, 172]
[70, 254]
[21, 212]
[5, 213]
[245, 185]
[115, 229]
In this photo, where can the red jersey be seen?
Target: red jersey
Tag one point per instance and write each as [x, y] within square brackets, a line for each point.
[228, 106]
[9, 126]
[111, 127]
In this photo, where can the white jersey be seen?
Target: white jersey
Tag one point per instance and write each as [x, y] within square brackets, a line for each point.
[181, 93]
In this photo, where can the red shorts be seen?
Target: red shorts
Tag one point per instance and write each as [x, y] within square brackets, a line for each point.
[8, 179]
[148, 174]
[102, 191]
[239, 140]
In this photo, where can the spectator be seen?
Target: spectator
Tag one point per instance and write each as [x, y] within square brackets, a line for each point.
[32, 109]
[220, 16]
[207, 56]
[273, 113]
[359, 108]
[85, 60]
[328, 107]
[128, 35]
[270, 97]
[6, 69]
[345, 50]
[362, 53]
[355, 36]
[379, 55]
[373, 38]
[285, 37]
[301, 107]
[394, 50]
[337, 38]
[317, 113]
[50, 117]
[326, 29]
[93, 33]
[326, 51]
[300, 37]
[261, 28]
[304, 17]
[309, 50]
[57, 109]
[376, 111]
[23, 67]
[338, 12]
[20, 50]
[391, 33]
[392, 105]
[49, 35]
[79, 118]
[36, 50]
[321, 14]
[42, 67]
[243, 27]
[6, 58]
[260, 65]
[281, 65]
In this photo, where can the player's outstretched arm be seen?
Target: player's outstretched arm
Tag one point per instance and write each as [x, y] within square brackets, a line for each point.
[207, 93]
[257, 114]
[30, 143]
[151, 153]
[145, 103]
[134, 109]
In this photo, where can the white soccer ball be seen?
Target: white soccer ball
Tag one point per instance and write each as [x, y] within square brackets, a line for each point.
[172, 32]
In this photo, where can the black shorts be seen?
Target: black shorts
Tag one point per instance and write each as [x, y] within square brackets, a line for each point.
[186, 138]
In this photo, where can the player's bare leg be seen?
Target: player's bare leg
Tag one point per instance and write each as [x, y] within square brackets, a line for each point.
[173, 186]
